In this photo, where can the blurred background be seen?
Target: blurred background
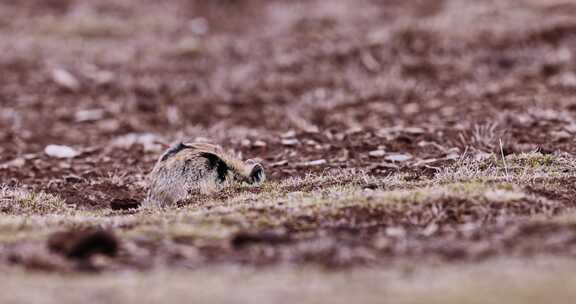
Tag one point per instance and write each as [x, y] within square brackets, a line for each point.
[84, 72]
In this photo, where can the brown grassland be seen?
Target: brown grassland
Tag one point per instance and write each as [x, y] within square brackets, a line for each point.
[416, 151]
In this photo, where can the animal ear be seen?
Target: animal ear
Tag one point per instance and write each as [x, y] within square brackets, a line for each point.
[173, 151]
[216, 163]
[257, 174]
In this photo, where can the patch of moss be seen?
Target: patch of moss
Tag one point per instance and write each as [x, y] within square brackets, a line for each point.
[531, 160]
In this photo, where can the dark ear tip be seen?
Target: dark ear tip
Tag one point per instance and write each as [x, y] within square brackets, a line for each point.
[173, 150]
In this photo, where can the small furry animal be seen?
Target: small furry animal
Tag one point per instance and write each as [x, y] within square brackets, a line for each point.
[189, 167]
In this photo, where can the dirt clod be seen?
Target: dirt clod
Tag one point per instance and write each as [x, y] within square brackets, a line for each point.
[243, 239]
[83, 243]
[124, 204]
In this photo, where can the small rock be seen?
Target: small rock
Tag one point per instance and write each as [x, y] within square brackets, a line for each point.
[102, 77]
[259, 144]
[147, 140]
[199, 26]
[280, 163]
[65, 79]
[310, 142]
[384, 166]
[377, 153]
[414, 130]
[30, 156]
[312, 129]
[425, 162]
[89, 115]
[452, 156]
[289, 134]
[108, 125]
[289, 142]
[567, 80]
[398, 157]
[59, 151]
[571, 128]
[354, 130]
[315, 162]
[480, 156]
[395, 231]
[188, 48]
[65, 165]
[173, 115]
[246, 143]
[15, 163]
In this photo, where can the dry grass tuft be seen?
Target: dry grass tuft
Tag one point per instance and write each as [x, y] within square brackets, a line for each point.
[522, 168]
[15, 201]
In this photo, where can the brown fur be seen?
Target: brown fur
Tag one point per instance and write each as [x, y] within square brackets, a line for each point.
[196, 167]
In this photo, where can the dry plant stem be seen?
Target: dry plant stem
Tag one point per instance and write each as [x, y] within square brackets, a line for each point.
[504, 160]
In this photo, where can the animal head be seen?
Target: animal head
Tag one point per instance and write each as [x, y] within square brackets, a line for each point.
[225, 165]
[256, 174]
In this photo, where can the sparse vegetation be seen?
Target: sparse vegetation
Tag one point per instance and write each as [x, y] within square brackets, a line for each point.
[15, 201]
[522, 168]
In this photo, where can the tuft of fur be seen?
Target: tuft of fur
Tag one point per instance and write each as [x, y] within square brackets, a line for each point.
[186, 168]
